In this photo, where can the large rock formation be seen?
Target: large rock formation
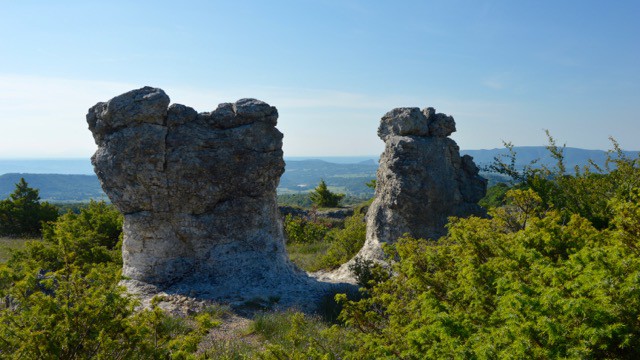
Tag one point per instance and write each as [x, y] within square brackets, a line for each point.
[421, 181]
[198, 193]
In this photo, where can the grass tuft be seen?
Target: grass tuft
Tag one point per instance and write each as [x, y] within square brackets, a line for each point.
[10, 245]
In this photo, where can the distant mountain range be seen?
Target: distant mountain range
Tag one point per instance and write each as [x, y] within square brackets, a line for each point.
[57, 188]
[526, 154]
[304, 175]
[299, 177]
[70, 180]
[76, 166]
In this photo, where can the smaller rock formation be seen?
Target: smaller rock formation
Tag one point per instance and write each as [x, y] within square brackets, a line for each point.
[421, 181]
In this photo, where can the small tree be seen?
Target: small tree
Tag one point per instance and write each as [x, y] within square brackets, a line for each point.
[22, 213]
[372, 184]
[323, 197]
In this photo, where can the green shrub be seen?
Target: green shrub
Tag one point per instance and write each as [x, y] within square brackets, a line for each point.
[329, 308]
[586, 192]
[300, 230]
[61, 299]
[495, 196]
[316, 245]
[67, 315]
[345, 243]
[369, 273]
[547, 288]
[71, 315]
[293, 335]
[82, 240]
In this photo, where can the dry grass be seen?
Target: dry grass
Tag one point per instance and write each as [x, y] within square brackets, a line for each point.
[308, 256]
[7, 245]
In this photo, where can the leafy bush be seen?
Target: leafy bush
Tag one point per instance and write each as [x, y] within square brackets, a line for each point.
[71, 315]
[62, 299]
[98, 222]
[66, 315]
[369, 273]
[495, 197]
[345, 243]
[302, 230]
[321, 244]
[548, 288]
[329, 308]
[586, 192]
[79, 240]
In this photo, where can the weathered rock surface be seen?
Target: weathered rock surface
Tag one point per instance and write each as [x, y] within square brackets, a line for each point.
[421, 181]
[198, 194]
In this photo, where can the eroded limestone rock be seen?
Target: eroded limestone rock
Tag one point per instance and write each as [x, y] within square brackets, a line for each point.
[198, 193]
[421, 181]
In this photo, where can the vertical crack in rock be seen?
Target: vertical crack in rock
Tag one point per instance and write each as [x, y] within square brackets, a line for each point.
[198, 194]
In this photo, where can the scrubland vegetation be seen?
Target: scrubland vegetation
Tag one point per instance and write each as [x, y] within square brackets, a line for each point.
[10, 245]
[553, 272]
[314, 244]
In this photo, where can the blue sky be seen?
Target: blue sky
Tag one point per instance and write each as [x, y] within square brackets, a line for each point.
[505, 70]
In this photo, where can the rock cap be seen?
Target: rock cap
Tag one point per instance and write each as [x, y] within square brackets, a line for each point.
[411, 121]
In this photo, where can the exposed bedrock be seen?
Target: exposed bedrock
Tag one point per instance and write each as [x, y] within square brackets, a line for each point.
[197, 190]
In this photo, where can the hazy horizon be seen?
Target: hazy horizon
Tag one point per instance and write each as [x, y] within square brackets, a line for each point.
[504, 70]
[311, 157]
[82, 165]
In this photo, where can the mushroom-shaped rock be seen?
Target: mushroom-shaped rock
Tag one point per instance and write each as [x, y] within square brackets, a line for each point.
[198, 193]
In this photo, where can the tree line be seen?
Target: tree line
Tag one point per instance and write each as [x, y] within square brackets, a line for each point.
[22, 213]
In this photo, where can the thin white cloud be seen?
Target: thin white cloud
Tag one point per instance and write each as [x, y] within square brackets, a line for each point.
[282, 97]
[494, 84]
[45, 116]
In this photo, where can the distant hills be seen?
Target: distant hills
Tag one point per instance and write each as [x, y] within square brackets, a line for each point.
[302, 176]
[299, 177]
[76, 166]
[58, 188]
[72, 180]
[526, 154]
